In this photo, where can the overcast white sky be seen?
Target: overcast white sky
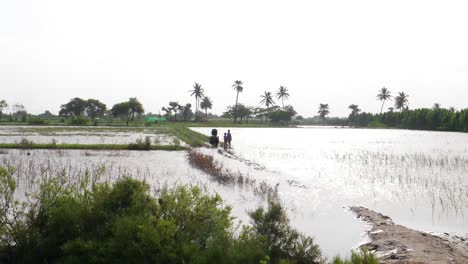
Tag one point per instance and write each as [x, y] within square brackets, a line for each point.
[336, 52]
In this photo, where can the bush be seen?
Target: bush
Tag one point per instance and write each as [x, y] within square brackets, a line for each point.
[141, 144]
[25, 143]
[79, 120]
[89, 222]
[37, 121]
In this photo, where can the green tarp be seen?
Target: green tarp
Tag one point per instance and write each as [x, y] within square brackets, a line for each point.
[156, 118]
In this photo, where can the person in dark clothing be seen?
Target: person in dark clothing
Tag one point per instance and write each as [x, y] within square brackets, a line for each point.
[225, 143]
[229, 138]
[214, 139]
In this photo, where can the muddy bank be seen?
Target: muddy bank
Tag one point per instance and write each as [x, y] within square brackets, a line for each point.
[393, 243]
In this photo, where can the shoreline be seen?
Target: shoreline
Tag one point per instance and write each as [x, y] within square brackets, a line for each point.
[393, 243]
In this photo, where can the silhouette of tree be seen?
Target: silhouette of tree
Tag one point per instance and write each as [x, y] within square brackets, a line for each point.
[401, 101]
[282, 94]
[436, 106]
[354, 109]
[206, 104]
[198, 92]
[383, 95]
[3, 105]
[238, 88]
[267, 99]
[323, 111]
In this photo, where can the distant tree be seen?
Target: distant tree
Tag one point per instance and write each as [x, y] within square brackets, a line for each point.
[18, 112]
[401, 101]
[323, 111]
[436, 106]
[127, 110]
[383, 95]
[198, 92]
[267, 99]
[282, 115]
[122, 110]
[238, 88]
[3, 105]
[75, 107]
[47, 114]
[187, 112]
[282, 94]
[354, 109]
[206, 104]
[136, 108]
[95, 108]
[391, 109]
[174, 107]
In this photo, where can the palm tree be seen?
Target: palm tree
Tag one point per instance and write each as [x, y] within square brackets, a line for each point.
[198, 92]
[436, 106]
[282, 94]
[206, 104]
[323, 111]
[354, 109]
[383, 95]
[267, 99]
[401, 101]
[238, 88]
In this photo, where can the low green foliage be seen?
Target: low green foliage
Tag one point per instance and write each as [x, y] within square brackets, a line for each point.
[37, 121]
[141, 144]
[124, 222]
[78, 120]
[31, 145]
[362, 257]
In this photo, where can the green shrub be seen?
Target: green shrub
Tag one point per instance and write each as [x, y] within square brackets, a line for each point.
[37, 121]
[141, 144]
[124, 222]
[78, 120]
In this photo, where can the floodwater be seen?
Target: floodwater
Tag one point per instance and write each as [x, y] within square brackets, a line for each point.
[418, 178]
[81, 135]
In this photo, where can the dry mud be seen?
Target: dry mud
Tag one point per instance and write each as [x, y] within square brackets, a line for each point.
[393, 243]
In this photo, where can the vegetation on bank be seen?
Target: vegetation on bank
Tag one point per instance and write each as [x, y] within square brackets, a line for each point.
[439, 119]
[140, 144]
[125, 222]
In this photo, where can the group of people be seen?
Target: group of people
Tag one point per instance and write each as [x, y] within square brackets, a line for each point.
[214, 139]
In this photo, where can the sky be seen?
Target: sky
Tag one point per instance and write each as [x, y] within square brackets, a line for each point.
[335, 52]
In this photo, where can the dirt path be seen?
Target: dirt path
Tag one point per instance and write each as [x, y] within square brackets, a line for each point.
[397, 244]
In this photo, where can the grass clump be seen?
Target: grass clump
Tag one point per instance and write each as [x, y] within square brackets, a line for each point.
[141, 144]
[357, 257]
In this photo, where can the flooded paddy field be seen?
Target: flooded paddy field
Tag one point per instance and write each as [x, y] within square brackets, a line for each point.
[419, 179]
[84, 135]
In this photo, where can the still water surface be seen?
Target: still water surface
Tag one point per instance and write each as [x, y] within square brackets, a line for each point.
[418, 178]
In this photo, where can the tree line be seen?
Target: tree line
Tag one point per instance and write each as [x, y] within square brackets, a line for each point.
[79, 111]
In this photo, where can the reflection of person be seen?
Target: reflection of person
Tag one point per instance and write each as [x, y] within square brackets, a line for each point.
[225, 143]
[229, 138]
[214, 139]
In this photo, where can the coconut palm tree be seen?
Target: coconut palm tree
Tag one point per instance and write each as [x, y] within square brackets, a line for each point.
[198, 92]
[267, 99]
[401, 101]
[238, 88]
[206, 104]
[354, 109]
[282, 94]
[323, 111]
[383, 95]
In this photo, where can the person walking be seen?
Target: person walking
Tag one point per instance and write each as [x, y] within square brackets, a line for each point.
[229, 138]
